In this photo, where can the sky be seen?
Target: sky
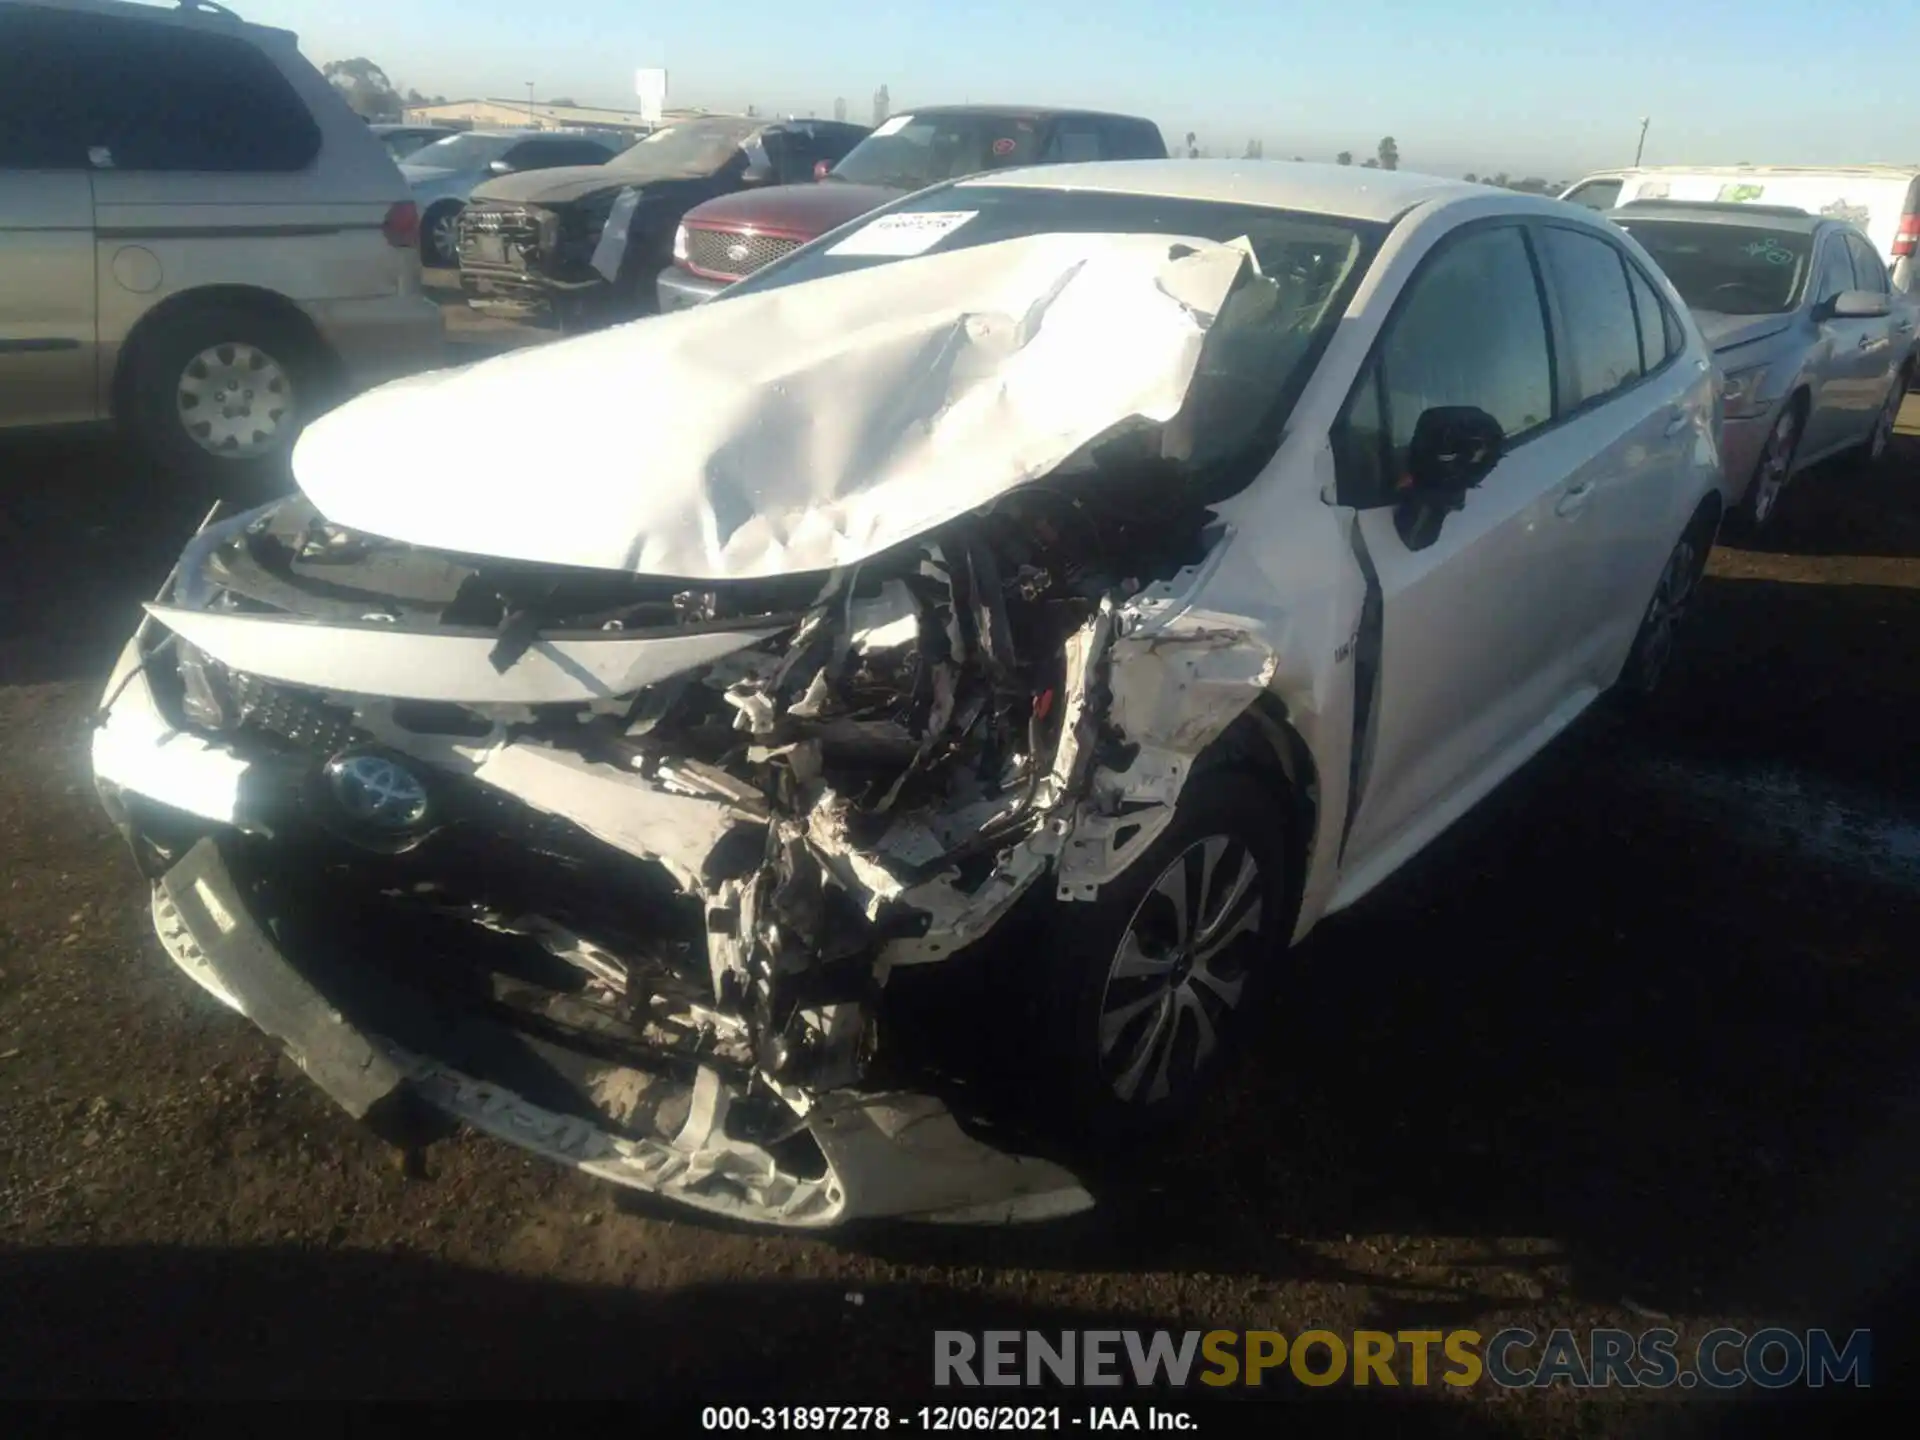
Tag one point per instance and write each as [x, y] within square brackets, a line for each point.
[1550, 88]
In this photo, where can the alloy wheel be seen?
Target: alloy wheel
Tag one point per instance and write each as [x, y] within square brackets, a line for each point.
[1770, 477]
[234, 399]
[1180, 969]
[1889, 417]
[1668, 608]
[445, 236]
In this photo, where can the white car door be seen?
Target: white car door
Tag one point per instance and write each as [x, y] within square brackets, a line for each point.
[1629, 421]
[1885, 343]
[1840, 360]
[1474, 654]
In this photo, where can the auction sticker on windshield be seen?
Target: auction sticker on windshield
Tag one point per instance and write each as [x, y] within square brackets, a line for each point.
[904, 234]
[891, 127]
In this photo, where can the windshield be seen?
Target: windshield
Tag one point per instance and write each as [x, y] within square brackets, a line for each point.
[696, 147]
[911, 152]
[462, 152]
[1260, 349]
[1728, 269]
[403, 143]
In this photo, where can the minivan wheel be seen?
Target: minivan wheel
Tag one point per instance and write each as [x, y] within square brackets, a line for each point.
[1152, 979]
[440, 237]
[220, 393]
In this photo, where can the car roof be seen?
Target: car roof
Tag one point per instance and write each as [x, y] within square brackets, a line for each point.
[1017, 112]
[1350, 191]
[1784, 218]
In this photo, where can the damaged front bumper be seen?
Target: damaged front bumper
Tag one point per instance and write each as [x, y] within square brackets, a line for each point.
[667, 1129]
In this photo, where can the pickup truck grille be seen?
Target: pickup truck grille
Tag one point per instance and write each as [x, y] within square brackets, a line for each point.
[732, 254]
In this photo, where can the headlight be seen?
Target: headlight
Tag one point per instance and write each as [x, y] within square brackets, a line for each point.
[1741, 393]
[680, 243]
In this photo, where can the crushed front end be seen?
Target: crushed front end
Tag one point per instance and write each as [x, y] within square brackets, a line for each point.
[618, 868]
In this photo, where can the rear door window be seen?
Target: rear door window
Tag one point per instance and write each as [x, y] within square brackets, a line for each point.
[1659, 333]
[133, 94]
[1834, 270]
[1601, 339]
[1132, 140]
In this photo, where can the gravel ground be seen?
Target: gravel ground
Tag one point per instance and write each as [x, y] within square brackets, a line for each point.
[1634, 1041]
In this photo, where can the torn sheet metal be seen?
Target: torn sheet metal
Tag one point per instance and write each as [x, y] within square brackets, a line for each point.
[404, 664]
[787, 431]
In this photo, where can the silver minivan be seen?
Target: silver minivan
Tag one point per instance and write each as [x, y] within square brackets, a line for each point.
[199, 241]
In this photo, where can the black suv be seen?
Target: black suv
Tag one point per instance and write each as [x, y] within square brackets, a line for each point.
[533, 242]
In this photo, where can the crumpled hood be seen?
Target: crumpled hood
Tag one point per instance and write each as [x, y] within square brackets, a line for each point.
[561, 185]
[793, 430]
[1726, 332]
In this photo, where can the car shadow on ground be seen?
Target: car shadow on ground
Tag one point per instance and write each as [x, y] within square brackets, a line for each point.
[286, 1322]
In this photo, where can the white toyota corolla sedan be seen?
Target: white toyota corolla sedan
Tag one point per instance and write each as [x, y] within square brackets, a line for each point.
[1082, 579]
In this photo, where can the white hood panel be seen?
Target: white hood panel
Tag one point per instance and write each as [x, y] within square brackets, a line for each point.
[789, 431]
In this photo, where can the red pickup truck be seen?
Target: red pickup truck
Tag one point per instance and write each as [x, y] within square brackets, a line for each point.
[729, 238]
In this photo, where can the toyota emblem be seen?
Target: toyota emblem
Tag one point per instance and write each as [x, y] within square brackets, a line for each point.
[377, 792]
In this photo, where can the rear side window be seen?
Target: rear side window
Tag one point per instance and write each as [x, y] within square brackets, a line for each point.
[129, 94]
[548, 154]
[1073, 141]
[1602, 338]
[1660, 338]
[1133, 140]
[1595, 194]
[1468, 331]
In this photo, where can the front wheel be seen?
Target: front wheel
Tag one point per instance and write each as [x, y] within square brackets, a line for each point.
[1152, 979]
[1770, 473]
[440, 237]
[1889, 417]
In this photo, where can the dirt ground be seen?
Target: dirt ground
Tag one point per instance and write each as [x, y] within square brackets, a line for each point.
[1635, 1041]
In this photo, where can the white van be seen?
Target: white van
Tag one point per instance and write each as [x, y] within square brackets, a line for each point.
[1882, 200]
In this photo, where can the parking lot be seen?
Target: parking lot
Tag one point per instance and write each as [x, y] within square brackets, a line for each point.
[1634, 1041]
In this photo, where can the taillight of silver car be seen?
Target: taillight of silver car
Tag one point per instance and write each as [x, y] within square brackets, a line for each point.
[402, 226]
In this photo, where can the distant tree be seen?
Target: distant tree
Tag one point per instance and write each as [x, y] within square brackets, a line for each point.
[567, 100]
[365, 86]
[1389, 154]
[1500, 180]
[1369, 164]
[1299, 159]
[882, 105]
[1255, 151]
[840, 108]
[1345, 157]
[1193, 148]
[752, 111]
[1472, 179]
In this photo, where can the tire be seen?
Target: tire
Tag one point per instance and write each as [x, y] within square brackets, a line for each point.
[1673, 594]
[439, 235]
[1103, 1078]
[1772, 472]
[220, 392]
[1874, 452]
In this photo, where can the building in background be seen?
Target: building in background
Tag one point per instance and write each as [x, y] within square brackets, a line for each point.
[539, 115]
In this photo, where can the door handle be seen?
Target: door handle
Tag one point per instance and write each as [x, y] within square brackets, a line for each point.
[1679, 422]
[1575, 499]
[1867, 342]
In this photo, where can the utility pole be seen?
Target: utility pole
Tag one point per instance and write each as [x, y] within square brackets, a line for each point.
[530, 102]
[1641, 148]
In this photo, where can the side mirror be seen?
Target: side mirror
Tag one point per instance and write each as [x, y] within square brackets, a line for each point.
[499, 167]
[1454, 448]
[820, 169]
[1859, 305]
